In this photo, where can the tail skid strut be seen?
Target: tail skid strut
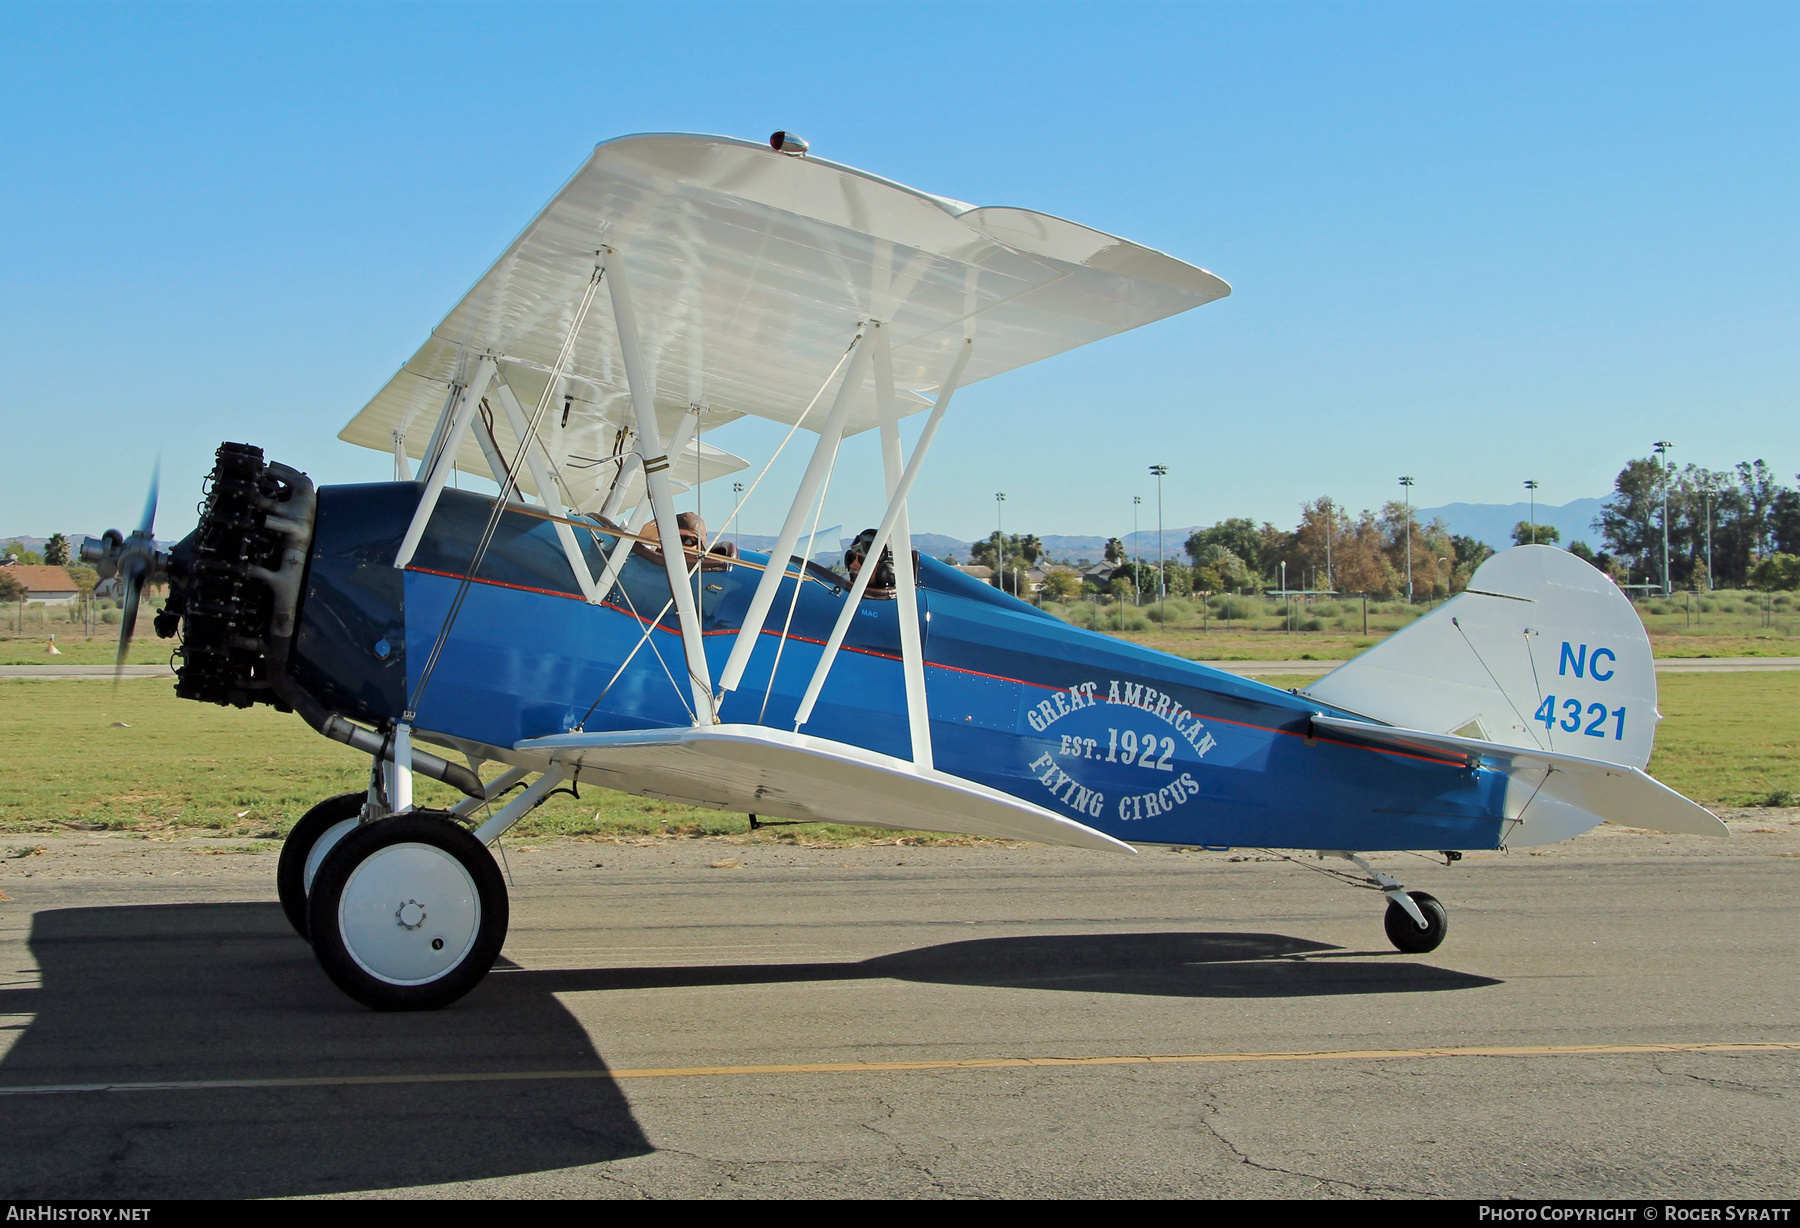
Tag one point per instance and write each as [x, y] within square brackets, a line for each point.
[1387, 884]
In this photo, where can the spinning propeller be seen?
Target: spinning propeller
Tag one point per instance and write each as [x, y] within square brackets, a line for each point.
[134, 561]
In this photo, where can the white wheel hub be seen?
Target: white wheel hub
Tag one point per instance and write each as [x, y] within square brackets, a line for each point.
[409, 914]
[315, 856]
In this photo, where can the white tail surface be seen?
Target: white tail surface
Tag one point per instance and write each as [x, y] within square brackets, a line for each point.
[757, 770]
[1541, 653]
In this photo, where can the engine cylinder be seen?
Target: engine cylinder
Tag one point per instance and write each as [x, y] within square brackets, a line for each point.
[221, 607]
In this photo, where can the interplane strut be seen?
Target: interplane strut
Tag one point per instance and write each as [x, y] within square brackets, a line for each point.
[830, 436]
[656, 467]
[893, 527]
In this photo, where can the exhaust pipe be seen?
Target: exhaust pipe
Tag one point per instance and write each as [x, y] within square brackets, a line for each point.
[369, 742]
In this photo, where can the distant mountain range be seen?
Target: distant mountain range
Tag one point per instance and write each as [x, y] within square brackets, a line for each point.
[1487, 522]
[37, 543]
[28, 542]
[1493, 522]
[939, 546]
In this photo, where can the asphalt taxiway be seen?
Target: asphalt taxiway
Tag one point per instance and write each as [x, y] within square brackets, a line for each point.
[1616, 1017]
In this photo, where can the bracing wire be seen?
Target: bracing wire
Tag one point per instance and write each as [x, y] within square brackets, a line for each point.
[799, 583]
[510, 484]
[649, 626]
[507, 486]
[720, 535]
[1490, 673]
[744, 500]
[1342, 876]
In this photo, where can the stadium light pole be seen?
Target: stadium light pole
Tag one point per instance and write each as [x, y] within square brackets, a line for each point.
[1137, 598]
[1330, 517]
[1532, 487]
[1159, 472]
[1000, 539]
[737, 527]
[1662, 447]
[1406, 485]
[1710, 492]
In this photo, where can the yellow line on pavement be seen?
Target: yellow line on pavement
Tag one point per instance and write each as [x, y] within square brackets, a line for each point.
[974, 1063]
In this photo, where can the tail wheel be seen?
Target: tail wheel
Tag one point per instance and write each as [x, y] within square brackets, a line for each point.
[317, 832]
[1405, 933]
[407, 913]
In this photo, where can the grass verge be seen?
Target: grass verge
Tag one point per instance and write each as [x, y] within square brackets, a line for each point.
[94, 756]
[89, 756]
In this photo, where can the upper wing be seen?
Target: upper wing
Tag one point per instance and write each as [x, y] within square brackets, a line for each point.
[772, 772]
[751, 271]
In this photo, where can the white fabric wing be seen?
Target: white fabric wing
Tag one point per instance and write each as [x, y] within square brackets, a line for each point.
[751, 272]
[771, 772]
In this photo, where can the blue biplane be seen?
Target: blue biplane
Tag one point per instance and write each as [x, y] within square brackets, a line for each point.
[574, 628]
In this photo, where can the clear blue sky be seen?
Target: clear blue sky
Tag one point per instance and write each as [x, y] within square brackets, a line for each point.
[1472, 242]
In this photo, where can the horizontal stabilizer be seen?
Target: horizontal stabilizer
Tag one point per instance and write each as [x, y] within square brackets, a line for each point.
[1551, 795]
[771, 772]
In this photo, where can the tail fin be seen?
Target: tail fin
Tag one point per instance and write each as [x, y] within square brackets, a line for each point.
[1541, 653]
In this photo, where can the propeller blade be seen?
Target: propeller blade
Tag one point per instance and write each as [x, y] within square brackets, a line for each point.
[131, 580]
[148, 523]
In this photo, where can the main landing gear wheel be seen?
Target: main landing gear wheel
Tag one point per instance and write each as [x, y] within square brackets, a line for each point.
[408, 913]
[1405, 933]
[318, 830]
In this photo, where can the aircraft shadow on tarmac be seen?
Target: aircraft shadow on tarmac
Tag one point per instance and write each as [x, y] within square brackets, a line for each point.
[222, 991]
[226, 991]
[1182, 965]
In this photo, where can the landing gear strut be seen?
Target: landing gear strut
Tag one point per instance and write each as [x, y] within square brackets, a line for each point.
[405, 911]
[1415, 921]
[1406, 934]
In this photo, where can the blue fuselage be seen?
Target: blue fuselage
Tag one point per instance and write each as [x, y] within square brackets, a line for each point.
[1147, 747]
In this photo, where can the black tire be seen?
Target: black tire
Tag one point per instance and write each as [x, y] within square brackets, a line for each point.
[395, 862]
[290, 871]
[1405, 933]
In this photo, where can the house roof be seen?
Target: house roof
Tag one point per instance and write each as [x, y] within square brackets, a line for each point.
[41, 578]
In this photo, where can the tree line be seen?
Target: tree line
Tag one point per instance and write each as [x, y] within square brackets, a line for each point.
[56, 552]
[1754, 521]
[1331, 549]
